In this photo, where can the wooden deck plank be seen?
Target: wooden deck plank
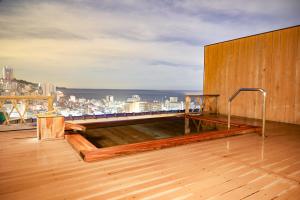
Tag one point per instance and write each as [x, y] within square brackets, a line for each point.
[227, 168]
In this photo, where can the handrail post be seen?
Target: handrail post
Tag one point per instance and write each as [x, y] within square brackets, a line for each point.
[264, 114]
[264, 93]
[229, 114]
[187, 104]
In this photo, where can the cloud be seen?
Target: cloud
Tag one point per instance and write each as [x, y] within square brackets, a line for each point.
[28, 32]
[175, 65]
[127, 43]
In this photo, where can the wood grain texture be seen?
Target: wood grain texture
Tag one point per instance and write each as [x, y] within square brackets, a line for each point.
[238, 167]
[74, 127]
[79, 143]
[122, 141]
[50, 127]
[270, 61]
[110, 152]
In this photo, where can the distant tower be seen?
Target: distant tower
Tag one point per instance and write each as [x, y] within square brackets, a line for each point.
[8, 73]
[48, 89]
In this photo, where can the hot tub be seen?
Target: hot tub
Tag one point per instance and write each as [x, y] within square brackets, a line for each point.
[104, 140]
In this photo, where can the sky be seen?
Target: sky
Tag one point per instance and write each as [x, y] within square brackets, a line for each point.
[127, 44]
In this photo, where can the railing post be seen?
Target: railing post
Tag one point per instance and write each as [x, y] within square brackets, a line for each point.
[216, 105]
[264, 115]
[187, 104]
[50, 103]
[198, 101]
[229, 114]
[187, 110]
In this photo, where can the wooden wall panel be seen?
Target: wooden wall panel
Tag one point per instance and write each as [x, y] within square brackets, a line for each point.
[297, 83]
[269, 60]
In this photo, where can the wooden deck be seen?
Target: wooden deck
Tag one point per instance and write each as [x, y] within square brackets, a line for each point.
[241, 167]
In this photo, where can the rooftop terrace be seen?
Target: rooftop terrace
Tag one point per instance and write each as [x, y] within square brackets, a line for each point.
[240, 167]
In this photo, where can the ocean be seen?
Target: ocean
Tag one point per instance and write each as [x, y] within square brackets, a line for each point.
[122, 95]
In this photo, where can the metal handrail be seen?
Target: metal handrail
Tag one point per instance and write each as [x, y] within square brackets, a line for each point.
[263, 92]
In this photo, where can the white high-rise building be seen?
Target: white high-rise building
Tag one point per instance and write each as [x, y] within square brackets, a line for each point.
[131, 107]
[7, 73]
[137, 106]
[48, 89]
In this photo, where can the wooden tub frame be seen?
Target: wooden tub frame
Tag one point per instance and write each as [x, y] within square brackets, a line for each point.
[90, 152]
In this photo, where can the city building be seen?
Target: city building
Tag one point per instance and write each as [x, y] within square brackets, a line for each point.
[59, 95]
[110, 98]
[72, 98]
[82, 100]
[132, 107]
[174, 105]
[134, 98]
[156, 106]
[7, 73]
[144, 106]
[173, 99]
[48, 89]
